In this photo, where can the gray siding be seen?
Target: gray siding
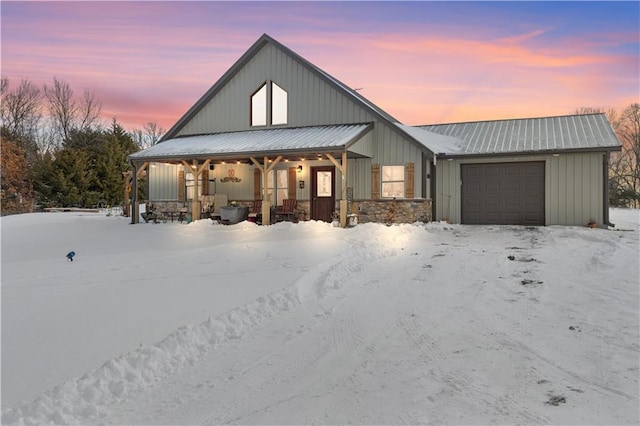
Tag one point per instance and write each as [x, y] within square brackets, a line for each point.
[311, 101]
[163, 182]
[573, 187]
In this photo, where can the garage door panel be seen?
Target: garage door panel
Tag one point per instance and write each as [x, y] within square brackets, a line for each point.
[503, 193]
[490, 201]
[512, 185]
[490, 170]
[513, 200]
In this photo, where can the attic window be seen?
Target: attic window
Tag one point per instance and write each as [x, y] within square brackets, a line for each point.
[269, 103]
[259, 107]
[278, 105]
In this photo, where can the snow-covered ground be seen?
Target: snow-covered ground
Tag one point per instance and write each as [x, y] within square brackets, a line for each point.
[306, 323]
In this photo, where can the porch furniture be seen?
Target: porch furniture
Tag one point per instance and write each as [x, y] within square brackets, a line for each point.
[219, 201]
[151, 214]
[287, 211]
[255, 212]
[179, 215]
[230, 215]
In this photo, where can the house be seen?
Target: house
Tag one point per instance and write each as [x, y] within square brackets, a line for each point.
[275, 127]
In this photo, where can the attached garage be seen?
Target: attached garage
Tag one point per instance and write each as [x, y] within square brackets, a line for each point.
[532, 171]
[503, 193]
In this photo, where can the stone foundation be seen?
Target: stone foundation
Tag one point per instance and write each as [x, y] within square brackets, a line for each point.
[379, 211]
[392, 211]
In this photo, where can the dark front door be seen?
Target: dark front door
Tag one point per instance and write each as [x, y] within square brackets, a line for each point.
[503, 193]
[323, 199]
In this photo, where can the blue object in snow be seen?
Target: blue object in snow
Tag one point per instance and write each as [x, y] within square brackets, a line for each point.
[70, 255]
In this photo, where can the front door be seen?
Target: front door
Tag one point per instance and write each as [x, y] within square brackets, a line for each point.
[323, 199]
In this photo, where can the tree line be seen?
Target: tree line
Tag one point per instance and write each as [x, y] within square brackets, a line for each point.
[624, 166]
[57, 153]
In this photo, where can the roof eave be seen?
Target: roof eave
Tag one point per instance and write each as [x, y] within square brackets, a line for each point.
[528, 153]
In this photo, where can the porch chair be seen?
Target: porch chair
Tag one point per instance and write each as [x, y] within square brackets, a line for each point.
[255, 212]
[287, 211]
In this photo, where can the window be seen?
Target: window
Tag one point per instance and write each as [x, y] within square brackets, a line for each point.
[392, 182]
[278, 105]
[259, 107]
[190, 183]
[278, 186]
[269, 101]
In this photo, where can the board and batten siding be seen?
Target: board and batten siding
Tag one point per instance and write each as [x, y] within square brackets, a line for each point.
[311, 101]
[163, 182]
[573, 187]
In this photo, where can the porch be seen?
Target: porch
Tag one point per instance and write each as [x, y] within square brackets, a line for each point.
[306, 165]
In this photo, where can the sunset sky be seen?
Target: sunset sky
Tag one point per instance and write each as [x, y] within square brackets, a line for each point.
[422, 62]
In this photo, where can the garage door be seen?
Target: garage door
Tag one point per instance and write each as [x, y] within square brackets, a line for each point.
[503, 193]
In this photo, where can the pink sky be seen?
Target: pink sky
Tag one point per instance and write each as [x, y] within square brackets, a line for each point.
[421, 62]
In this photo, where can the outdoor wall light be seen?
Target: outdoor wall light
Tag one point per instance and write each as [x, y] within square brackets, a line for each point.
[299, 169]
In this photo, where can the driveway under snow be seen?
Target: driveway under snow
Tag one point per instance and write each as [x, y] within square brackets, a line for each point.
[306, 323]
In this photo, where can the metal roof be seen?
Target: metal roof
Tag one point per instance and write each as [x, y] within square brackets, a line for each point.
[255, 142]
[436, 143]
[529, 135]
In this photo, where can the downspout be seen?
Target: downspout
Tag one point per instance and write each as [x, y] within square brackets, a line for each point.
[605, 182]
[433, 189]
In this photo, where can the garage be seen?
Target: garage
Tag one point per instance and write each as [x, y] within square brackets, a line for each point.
[503, 193]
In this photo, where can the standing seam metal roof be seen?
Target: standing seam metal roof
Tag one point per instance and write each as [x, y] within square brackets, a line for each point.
[571, 132]
[256, 141]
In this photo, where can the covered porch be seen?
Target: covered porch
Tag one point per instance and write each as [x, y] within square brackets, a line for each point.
[307, 165]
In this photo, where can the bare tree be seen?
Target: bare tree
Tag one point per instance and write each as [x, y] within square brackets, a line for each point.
[62, 108]
[148, 136]
[20, 109]
[4, 84]
[67, 113]
[628, 131]
[89, 110]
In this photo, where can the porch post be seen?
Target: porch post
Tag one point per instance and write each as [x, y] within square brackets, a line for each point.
[197, 172]
[135, 209]
[265, 169]
[342, 167]
[195, 203]
[343, 198]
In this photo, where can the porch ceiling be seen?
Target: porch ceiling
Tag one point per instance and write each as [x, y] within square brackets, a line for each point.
[288, 142]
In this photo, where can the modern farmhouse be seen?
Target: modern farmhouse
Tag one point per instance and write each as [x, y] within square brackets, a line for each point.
[280, 136]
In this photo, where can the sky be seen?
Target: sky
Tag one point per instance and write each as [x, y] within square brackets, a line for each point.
[422, 62]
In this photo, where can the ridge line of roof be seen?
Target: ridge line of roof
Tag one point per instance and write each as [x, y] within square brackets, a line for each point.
[511, 119]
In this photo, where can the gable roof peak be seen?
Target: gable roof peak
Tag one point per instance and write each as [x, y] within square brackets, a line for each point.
[246, 57]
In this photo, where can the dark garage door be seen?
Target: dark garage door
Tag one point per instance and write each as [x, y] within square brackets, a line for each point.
[503, 193]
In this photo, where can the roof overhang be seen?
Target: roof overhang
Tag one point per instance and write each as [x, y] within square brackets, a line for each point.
[445, 156]
[288, 142]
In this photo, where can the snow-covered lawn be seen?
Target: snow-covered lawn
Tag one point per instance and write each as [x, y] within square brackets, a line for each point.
[306, 323]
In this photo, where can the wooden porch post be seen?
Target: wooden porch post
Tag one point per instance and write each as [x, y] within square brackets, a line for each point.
[343, 198]
[131, 189]
[265, 169]
[197, 172]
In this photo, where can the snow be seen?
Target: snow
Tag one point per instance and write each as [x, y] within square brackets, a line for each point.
[306, 323]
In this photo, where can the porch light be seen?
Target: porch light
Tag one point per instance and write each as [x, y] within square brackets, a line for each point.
[299, 168]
